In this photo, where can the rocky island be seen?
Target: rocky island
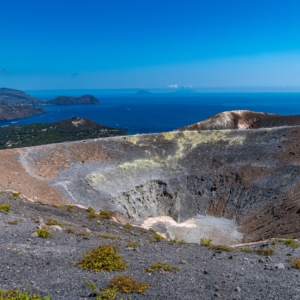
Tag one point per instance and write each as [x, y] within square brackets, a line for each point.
[67, 100]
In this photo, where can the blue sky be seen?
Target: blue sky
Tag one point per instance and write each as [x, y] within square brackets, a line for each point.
[149, 43]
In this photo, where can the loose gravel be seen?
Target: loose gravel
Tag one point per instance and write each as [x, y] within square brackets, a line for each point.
[49, 266]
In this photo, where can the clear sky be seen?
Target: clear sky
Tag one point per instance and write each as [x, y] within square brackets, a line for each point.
[67, 44]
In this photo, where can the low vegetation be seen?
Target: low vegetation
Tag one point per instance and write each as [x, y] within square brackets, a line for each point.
[106, 214]
[155, 238]
[159, 266]
[265, 251]
[62, 131]
[132, 244]
[5, 207]
[70, 208]
[44, 233]
[14, 222]
[295, 263]
[125, 284]
[18, 295]
[105, 257]
[52, 222]
[176, 241]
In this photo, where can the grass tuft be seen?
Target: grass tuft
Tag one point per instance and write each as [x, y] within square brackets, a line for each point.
[106, 214]
[14, 222]
[265, 251]
[103, 258]
[18, 295]
[132, 244]
[176, 241]
[69, 208]
[221, 247]
[159, 266]
[125, 284]
[206, 242]
[52, 222]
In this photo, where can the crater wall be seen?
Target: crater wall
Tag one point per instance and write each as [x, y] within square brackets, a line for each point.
[250, 176]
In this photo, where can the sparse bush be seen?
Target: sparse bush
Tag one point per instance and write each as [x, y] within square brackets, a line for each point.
[155, 238]
[295, 262]
[106, 214]
[220, 247]
[16, 194]
[103, 258]
[5, 207]
[132, 244]
[70, 230]
[18, 295]
[265, 251]
[206, 242]
[69, 208]
[125, 284]
[92, 213]
[52, 222]
[14, 222]
[176, 241]
[288, 242]
[128, 225]
[44, 233]
[107, 294]
[166, 267]
[152, 230]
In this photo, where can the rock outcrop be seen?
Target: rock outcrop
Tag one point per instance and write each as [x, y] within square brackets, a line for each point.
[16, 97]
[243, 119]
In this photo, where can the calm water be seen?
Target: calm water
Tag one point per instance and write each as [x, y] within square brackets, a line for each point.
[159, 113]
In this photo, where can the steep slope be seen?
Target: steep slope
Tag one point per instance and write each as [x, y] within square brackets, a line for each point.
[249, 176]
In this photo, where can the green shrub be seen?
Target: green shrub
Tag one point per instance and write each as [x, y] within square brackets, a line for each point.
[103, 258]
[16, 194]
[125, 284]
[158, 238]
[5, 207]
[18, 295]
[265, 251]
[44, 233]
[158, 266]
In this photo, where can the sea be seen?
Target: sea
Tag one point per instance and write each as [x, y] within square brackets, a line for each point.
[155, 113]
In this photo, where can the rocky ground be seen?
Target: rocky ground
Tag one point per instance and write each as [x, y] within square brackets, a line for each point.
[49, 266]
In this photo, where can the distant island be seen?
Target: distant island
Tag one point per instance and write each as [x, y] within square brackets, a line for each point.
[67, 100]
[63, 131]
[143, 93]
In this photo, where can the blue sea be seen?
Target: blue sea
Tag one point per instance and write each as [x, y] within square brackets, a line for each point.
[161, 112]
